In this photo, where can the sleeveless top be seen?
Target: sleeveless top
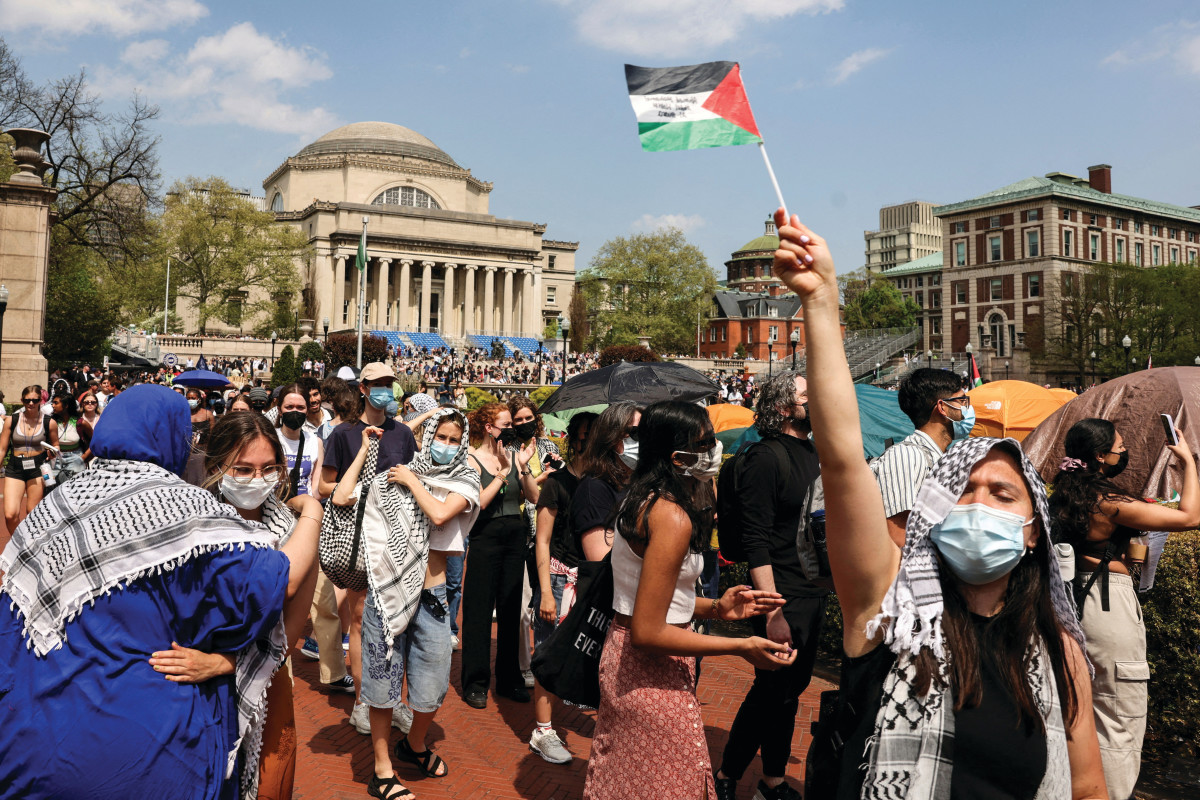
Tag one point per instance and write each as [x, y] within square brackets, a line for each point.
[507, 502]
[627, 571]
[25, 440]
[68, 436]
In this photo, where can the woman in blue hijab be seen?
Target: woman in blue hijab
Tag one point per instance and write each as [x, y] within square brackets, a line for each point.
[105, 570]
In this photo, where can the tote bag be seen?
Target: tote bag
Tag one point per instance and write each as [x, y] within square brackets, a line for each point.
[340, 548]
[567, 664]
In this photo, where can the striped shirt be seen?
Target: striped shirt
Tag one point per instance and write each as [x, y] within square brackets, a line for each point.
[901, 470]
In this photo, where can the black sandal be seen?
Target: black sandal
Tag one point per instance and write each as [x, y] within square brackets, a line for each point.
[428, 762]
[382, 787]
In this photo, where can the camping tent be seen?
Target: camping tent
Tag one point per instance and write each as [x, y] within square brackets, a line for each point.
[1011, 408]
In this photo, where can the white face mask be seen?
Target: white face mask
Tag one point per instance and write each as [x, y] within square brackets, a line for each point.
[629, 452]
[707, 465]
[247, 496]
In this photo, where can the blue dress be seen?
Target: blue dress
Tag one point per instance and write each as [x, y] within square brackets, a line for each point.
[93, 719]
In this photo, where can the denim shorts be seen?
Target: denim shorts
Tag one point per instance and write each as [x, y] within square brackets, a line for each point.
[541, 628]
[423, 650]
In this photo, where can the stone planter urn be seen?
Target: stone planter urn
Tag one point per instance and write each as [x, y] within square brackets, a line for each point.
[27, 153]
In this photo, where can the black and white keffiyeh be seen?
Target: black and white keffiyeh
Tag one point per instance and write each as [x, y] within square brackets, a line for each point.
[396, 530]
[910, 755]
[75, 546]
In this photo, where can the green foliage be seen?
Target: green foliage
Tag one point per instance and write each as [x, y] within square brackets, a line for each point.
[879, 305]
[285, 370]
[342, 350]
[80, 312]
[551, 331]
[477, 397]
[7, 165]
[651, 284]
[224, 250]
[615, 354]
[739, 351]
[577, 313]
[542, 394]
[310, 351]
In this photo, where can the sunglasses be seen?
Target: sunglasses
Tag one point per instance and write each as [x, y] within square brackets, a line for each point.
[28, 400]
[632, 433]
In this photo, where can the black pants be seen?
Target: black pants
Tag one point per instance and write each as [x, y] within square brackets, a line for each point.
[495, 570]
[767, 717]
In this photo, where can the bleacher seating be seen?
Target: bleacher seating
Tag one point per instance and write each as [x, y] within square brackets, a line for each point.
[486, 343]
[430, 340]
[526, 344]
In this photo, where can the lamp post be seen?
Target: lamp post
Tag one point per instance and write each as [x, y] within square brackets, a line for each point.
[877, 366]
[770, 356]
[970, 375]
[4, 294]
[274, 336]
[1127, 343]
[296, 325]
[4, 307]
[1133, 363]
[1007, 364]
[1092, 356]
[564, 325]
[795, 340]
[929, 356]
[325, 325]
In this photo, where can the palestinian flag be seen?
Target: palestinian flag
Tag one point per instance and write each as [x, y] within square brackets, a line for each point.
[976, 379]
[686, 108]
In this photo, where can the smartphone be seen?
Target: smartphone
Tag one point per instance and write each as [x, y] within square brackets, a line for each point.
[550, 461]
[1169, 428]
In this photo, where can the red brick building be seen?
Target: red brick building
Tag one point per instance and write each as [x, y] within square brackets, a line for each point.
[761, 324]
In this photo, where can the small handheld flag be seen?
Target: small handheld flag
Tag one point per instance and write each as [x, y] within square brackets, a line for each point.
[976, 378]
[692, 107]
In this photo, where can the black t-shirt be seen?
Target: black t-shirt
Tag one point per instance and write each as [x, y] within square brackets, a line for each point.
[772, 495]
[594, 505]
[557, 492]
[396, 446]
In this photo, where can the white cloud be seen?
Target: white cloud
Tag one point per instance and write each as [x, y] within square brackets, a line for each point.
[855, 62]
[517, 69]
[652, 222]
[672, 28]
[1178, 42]
[464, 53]
[238, 77]
[115, 17]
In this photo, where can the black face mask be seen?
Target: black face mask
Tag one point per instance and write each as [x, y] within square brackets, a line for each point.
[1113, 470]
[293, 419]
[526, 430]
[507, 437]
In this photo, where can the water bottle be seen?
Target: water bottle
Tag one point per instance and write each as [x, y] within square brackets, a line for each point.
[48, 474]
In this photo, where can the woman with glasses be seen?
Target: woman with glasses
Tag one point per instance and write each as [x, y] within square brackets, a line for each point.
[496, 558]
[25, 441]
[649, 738]
[73, 438]
[1100, 521]
[608, 460]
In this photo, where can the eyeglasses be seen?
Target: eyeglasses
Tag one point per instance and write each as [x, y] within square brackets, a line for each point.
[707, 444]
[962, 398]
[244, 474]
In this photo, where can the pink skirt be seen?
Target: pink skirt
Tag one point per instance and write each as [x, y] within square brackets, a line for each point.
[649, 740]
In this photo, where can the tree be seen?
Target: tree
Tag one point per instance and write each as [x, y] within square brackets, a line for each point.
[80, 312]
[284, 370]
[310, 351]
[577, 313]
[615, 354]
[652, 284]
[879, 305]
[224, 251]
[342, 350]
[550, 332]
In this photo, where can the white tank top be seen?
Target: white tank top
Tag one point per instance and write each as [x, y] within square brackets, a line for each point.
[627, 571]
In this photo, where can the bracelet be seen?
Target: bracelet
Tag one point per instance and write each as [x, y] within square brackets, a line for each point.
[527, 472]
[309, 516]
[715, 603]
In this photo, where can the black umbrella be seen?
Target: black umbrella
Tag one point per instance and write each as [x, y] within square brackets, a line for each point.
[641, 382]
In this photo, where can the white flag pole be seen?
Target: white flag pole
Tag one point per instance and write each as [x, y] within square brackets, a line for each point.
[362, 293]
[762, 148]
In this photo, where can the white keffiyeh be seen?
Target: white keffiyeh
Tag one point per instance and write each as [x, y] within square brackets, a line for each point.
[909, 755]
[396, 530]
[75, 546]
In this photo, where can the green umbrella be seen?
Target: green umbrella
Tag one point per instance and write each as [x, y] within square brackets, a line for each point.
[558, 420]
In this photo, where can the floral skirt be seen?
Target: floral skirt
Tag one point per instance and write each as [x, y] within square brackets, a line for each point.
[649, 740]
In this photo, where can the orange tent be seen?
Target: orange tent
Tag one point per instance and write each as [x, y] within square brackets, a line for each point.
[1011, 408]
[726, 416]
[1066, 395]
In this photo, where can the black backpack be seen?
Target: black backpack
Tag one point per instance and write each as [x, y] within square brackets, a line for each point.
[729, 509]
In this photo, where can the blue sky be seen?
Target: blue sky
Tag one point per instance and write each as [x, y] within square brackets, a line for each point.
[862, 104]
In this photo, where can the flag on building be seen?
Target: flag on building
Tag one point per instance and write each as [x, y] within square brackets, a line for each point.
[360, 260]
[687, 108]
[976, 379]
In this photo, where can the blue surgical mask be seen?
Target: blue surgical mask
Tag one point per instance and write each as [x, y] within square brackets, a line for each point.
[980, 543]
[380, 396]
[962, 427]
[442, 453]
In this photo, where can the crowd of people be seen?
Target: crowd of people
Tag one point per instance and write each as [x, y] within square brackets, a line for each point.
[169, 551]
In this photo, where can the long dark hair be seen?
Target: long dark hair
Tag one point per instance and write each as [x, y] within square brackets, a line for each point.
[1078, 492]
[600, 458]
[70, 408]
[584, 419]
[665, 428]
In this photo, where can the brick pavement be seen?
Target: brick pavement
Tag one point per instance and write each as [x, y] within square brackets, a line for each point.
[487, 750]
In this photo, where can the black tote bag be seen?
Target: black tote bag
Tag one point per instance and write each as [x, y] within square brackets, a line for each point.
[567, 664]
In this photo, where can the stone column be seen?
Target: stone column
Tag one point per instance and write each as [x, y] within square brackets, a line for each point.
[469, 323]
[426, 291]
[403, 318]
[337, 319]
[381, 291]
[449, 315]
[489, 299]
[529, 304]
[539, 295]
[506, 312]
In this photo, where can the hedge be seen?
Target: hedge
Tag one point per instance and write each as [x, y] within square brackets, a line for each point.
[477, 397]
[542, 394]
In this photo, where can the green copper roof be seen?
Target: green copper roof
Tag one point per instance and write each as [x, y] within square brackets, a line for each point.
[924, 264]
[1037, 187]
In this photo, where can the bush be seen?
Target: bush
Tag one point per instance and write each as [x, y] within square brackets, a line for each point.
[285, 369]
[541, 394]
[342, 350]
[625, 352]
[310, 351]
[477, 397]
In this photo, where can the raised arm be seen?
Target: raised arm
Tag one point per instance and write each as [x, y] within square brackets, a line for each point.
[1153, 517]
[861, 555]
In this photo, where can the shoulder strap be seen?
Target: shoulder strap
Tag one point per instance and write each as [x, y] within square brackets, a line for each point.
[294, 477]
[1101, 570]
[364, 491]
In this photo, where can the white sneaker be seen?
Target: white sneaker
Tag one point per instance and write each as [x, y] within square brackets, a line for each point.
[360, 718]
[528, 675]
[455, 642]
[402, 718]
[547, 745]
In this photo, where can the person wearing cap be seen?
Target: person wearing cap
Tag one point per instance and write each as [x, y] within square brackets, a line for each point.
[259, 398]
[397, 446]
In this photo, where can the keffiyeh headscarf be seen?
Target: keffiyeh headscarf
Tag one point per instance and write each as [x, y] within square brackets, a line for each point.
[910, 755]
[397, 541]
[75, 545]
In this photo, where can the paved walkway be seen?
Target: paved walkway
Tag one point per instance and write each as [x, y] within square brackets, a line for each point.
[487, 750]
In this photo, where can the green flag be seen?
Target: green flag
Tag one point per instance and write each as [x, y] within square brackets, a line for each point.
[360, 260]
